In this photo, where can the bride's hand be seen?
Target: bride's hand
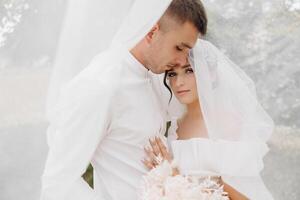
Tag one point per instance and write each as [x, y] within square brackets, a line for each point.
[156, 153]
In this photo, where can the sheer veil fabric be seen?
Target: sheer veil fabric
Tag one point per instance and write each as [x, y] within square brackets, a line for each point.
[238, 127]
[91, 27]
[227, 97]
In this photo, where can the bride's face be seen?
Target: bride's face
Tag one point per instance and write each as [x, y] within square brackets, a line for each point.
[183, 84]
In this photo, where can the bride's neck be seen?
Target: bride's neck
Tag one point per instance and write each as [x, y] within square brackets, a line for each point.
[194, 110]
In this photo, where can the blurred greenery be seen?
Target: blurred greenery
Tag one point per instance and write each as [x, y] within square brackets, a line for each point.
[88, 176]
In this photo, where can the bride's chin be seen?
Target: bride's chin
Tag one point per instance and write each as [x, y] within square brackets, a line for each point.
[184, 100]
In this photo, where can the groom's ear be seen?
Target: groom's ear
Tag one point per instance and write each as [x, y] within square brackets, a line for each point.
[152, 33]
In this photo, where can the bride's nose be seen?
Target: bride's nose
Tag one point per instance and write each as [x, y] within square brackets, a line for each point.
[179, 81]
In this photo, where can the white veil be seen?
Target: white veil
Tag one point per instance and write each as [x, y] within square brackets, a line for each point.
[228, 97]
[91, 27]
[232, 114]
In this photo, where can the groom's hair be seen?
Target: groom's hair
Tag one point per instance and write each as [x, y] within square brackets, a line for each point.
[181, 11]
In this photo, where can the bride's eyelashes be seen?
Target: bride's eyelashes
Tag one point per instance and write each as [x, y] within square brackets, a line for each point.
[189, 70]
[171, 74]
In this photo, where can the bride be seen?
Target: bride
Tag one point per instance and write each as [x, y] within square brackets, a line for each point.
[217, 128]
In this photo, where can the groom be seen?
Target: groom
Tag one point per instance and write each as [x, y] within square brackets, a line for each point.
[108, 112]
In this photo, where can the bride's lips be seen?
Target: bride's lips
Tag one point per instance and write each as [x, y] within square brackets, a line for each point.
[182, 92]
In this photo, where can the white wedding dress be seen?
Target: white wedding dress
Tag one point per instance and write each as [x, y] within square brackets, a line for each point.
[230, 159]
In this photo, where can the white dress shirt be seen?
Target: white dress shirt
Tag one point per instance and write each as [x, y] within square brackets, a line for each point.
[105, 116]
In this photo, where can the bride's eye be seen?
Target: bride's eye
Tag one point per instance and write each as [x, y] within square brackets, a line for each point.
[189, 71]
[171, 74]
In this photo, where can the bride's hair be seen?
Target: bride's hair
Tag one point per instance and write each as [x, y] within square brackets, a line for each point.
[181, 11]
[167, 86]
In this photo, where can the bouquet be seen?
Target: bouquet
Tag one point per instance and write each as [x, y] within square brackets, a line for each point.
[161, 183]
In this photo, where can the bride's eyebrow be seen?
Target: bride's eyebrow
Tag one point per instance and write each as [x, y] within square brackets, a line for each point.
[186, 66]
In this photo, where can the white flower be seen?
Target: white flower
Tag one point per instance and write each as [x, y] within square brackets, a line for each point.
[159, 184]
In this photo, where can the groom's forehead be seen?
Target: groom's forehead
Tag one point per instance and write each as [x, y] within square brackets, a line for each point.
[178, 67]
[184, 40]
